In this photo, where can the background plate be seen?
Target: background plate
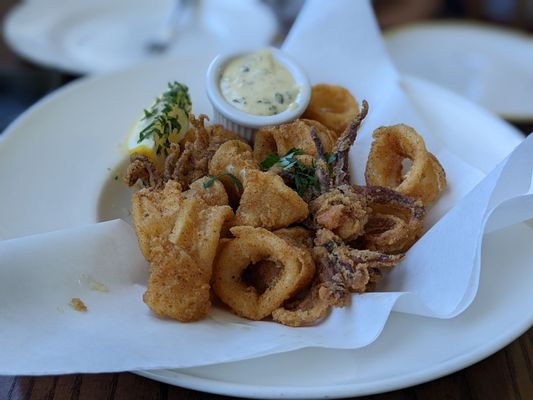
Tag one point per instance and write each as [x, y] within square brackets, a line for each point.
[94, 36]
[489, 65]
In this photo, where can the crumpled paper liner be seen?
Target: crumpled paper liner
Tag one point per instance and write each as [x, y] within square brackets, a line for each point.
[101, 263]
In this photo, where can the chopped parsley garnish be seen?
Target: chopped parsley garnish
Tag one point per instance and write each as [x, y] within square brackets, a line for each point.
[233, 178]
[302, 176]
[331, 158]
[159, 123]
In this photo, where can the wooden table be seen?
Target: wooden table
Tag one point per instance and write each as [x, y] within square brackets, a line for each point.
[508, 374]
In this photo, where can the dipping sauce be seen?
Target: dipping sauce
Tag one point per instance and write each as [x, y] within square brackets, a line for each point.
[259, 85]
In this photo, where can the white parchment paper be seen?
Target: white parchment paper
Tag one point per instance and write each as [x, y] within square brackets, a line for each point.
[336, 41]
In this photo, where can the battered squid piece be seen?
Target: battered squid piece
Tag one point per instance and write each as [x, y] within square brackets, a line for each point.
[297, 236]
[395, 222]
[193, 161]
[341, 271]
[341, 168]
[339, 173]
[190, 162]
[181, 263]
[346, 270]
[268, 202]
[154, 213]
[333, 106]
[425, 178]
[143, 169]
[266, 272]
[322, 169]
[342, 210]
[281, 139]
[232, 157]
[250, 246]
[213, 195]
[219, 135]
[171, 161]
[303, 312]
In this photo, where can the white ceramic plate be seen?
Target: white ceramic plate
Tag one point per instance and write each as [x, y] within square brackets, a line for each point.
[101, 35]
[491, 66]
[58, 164]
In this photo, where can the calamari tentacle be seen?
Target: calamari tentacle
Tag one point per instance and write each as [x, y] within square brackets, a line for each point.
[342, 177]
[322, 169]
[142, 168]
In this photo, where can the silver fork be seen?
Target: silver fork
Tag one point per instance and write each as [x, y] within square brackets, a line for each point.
[182, 11]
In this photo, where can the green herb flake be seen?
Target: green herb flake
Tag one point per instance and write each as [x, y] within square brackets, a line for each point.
[158, 123]
[302, 176]
[271, 160]
[233, 178]
[331, 158]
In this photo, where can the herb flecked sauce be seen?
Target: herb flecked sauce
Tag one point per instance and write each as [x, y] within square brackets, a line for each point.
[258, 84]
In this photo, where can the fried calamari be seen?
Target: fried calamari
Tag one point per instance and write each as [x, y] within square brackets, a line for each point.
[281, 139]
[229, 162]
[303, 239]
[425, 178]
[333, 106]
[395, 222]
[250, 246]
[341, 271]
[342, 210]
[187, 161]
[178, 233]
[267, 202]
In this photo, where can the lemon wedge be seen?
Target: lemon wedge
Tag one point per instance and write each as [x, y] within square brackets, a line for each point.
[165, 122]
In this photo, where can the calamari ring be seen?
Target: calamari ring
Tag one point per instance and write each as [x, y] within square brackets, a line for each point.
[424, 180]
[333, 106]
[304, 312]
[265, 273]
[395, 222]
[250, 246]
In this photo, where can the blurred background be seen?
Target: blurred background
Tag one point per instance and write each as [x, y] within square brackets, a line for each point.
[481, 49]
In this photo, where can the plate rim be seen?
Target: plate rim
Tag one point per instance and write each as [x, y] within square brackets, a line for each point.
[203, 384]
[337, 391]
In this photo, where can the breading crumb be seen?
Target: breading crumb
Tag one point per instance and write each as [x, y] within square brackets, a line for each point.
[77, 304]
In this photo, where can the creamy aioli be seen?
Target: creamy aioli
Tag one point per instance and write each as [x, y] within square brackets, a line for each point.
[258, 84]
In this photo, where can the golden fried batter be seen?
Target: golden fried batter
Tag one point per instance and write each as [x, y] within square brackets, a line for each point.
[181, 263]
[296, 134]
[424, 180]
[268, 203]
[266, 272]
[232, 157]
[250, 246]
[333, 106]
[154, 213]
[213, 195]
[189, 162]
[342, 211]
[307, 311]
[395, 222]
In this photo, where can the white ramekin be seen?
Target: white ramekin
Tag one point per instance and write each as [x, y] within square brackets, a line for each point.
[241, 122]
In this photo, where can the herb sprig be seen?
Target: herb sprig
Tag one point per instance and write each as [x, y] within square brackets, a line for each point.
[302, 176]
[233, 178]
[159, 123]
